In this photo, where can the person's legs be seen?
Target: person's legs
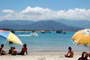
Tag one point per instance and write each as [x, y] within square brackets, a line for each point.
[3, 53]
[13, 54]
[68, 56]
[20, 53]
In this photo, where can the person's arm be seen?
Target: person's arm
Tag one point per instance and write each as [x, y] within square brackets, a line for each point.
[0, 52]
[68, 53]
[79, 59]
[26, 52]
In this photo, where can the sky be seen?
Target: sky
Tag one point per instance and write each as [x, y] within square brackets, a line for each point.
[44, 10]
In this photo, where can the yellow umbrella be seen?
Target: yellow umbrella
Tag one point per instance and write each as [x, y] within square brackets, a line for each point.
[13, 38]
[82, 37]
[10, 37]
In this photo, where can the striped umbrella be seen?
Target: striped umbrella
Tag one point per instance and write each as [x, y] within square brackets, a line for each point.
[82, 37]
[10, 37]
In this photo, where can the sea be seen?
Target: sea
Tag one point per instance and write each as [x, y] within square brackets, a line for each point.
[45, 42]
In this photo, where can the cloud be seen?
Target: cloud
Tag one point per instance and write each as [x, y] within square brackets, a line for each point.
[38, 13]
[8, 11]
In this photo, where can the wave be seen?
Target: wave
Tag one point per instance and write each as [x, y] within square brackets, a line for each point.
[32, 34]
[23, 35]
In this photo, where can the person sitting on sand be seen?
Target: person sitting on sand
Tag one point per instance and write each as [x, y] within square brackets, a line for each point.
[2, 52]
[84, 56]
[24, 50]
[10, 50]
[70, 53]
[14, 51]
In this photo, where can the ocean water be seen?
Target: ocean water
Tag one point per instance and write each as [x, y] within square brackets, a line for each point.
[45, 42]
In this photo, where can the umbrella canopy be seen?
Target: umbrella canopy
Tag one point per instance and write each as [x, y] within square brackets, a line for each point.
[82, 37]
[10, 36]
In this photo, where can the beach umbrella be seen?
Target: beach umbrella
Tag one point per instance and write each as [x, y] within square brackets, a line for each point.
[82, 37]
[10, 37]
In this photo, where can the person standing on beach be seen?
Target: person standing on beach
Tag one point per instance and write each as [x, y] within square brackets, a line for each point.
[70, 53]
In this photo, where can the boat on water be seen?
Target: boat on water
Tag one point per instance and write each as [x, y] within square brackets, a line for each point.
[59, 31]
[33, 34]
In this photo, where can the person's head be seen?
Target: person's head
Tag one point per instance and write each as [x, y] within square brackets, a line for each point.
[69, 48]
[25, 45]
[83, 54]
[2, 45]
[86, 55]
[13, 47]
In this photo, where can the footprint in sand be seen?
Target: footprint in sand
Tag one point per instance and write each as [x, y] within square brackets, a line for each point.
[42, 58]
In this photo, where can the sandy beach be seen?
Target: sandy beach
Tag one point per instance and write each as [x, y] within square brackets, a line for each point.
[40, 56]
[36, 57]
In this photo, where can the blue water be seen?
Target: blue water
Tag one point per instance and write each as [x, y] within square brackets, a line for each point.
[45, 42]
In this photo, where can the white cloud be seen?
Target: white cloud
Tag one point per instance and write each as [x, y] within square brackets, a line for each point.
[8, 11]
[38, 13]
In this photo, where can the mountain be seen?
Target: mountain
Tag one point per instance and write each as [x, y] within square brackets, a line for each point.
[76, 23]
[13, 24]
[50, 25]
[39, 25]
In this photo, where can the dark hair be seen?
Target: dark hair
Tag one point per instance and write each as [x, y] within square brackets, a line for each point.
[2, 45]
[83, 54]
[69, 48]
[13, 47]
[25, 45]
[86, 55]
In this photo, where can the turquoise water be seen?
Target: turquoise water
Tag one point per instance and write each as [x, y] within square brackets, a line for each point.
[45, 42]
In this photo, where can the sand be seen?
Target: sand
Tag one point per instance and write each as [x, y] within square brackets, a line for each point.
[35, 57]
[40, 56]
